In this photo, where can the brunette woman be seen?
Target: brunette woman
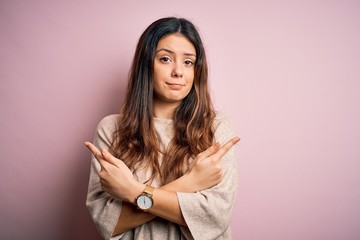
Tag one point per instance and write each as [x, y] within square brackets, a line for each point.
[164, 167]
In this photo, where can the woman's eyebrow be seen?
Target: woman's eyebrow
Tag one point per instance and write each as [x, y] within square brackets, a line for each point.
[172, 52]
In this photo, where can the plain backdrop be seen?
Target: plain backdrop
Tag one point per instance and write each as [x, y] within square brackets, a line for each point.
[286, 72]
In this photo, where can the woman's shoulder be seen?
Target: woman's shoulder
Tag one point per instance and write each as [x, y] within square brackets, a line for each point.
[221, 118]
[107, 125]
[223, 127]
[109, 121]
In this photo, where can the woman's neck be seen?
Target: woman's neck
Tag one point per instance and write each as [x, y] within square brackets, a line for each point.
[164, 110]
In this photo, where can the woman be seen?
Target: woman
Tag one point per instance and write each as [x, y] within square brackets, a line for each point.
[158, 170]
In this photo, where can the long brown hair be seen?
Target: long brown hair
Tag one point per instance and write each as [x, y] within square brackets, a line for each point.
[135, 140]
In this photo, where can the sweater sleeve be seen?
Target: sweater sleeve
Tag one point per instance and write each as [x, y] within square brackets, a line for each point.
[208, 213]
[103, 208]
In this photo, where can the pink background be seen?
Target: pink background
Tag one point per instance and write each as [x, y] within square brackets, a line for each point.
[286, 72]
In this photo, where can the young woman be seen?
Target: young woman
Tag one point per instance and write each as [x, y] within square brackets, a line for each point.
[158, 169]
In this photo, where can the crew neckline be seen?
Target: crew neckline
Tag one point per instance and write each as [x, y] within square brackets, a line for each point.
[166, 120]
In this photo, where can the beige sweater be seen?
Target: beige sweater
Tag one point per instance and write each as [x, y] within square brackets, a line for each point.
[207, 213]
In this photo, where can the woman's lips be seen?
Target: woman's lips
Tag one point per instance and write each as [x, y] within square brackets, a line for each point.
[175, 86]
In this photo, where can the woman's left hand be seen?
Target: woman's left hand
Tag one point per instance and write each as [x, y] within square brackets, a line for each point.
[115, 177]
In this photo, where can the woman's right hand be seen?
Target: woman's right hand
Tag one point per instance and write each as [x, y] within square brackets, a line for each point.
[115, 177]
[206, 169]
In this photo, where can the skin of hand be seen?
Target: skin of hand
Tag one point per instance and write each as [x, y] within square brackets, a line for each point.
[115, 177]
[204, 172]
[201, 175]
[206, 169]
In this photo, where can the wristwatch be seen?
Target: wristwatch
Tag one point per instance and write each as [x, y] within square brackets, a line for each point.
[145, 201]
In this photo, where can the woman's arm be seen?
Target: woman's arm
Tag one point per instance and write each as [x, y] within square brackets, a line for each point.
[208, 212]
[204, 172]
[130, 217]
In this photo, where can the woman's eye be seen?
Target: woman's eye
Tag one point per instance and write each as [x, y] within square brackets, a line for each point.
[165, 59]
[189, 63]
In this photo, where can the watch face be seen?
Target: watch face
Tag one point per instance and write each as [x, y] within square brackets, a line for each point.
[144, 202]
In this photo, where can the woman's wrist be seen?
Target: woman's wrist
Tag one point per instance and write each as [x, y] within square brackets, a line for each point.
[182, 184]
[135, 190]
[190, 182]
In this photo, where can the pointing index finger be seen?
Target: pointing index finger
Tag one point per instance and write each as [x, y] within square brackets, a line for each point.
[109, 157]
[226, 147]
[93, 149]
[96, 152]
[210, 151]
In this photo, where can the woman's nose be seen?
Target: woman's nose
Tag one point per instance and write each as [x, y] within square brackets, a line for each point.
[177, 71]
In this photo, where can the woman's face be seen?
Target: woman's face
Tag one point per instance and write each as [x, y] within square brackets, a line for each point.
[174, 67]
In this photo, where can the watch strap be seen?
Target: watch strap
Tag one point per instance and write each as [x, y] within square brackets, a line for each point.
[149, 190]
